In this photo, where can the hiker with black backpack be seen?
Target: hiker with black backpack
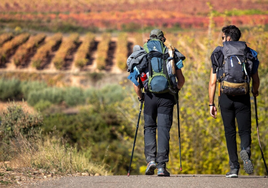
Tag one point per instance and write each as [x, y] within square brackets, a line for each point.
[154, 74]
[233, 66]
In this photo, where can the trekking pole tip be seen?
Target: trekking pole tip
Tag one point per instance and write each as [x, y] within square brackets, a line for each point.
[180, 168]
[128, 174]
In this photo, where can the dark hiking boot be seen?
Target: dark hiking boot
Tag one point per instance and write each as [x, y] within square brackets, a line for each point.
[151, 166]
[248, 167]
[233, 173]
[162, 172]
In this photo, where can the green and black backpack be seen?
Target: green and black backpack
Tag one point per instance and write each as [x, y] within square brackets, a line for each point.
[159, 79]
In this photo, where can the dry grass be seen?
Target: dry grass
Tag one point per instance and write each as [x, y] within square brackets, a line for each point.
[26, 107]
[30, 157]
[51, 154]
[29, 148]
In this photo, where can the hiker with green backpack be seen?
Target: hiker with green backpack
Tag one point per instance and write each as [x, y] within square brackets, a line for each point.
[233, 66]
[154, 74]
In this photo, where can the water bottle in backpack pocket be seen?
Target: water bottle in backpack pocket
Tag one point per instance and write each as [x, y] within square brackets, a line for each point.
[144, 79]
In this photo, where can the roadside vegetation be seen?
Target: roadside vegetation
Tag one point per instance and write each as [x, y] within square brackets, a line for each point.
[26, 149]
[101, 127]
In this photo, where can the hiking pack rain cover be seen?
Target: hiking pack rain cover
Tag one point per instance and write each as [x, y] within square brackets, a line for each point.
[236, 69]
[158, 77]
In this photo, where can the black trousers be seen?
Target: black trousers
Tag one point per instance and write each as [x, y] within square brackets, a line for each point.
[158, 114]
[236, 107]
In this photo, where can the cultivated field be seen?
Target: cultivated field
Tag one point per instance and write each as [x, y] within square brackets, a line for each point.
[195, 7]
[133, 15]
[71, 53]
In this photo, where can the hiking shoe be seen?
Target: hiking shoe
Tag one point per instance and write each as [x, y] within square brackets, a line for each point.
[233, 173]
[248, 167]
[151, 166]
[162, 172]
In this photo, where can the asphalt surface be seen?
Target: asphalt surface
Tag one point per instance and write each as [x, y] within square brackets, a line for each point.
[140, 181]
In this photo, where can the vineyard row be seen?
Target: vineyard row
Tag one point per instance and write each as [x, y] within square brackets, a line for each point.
[64, 53]
[103, 53]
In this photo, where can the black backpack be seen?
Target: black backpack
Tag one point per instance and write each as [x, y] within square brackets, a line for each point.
[234, 74]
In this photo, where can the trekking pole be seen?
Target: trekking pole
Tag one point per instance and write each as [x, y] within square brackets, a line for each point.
[176, 96]
[137, 127]
[179, 131]
[257, 124]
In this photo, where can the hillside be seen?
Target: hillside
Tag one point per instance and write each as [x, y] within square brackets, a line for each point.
[193, 7]
[129, 15]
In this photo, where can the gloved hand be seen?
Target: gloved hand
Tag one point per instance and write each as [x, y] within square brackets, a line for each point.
[142, 97]
[255, 93]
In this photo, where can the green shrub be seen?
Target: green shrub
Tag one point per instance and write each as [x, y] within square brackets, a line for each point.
[16, 120]
[42, 105]
[91, 95]
[51, 94]
[112, 93]
[17, 126]
[10, 89]
[74, 96]
[27, 87]
[107, 95]
[98, 128]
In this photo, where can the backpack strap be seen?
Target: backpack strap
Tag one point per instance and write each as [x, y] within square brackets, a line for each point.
[150, 66]
[226, 66]
[152, 54]
[165, 69]
[218, 64]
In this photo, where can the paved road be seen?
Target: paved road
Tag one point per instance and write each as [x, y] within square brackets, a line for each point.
[134, 181]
